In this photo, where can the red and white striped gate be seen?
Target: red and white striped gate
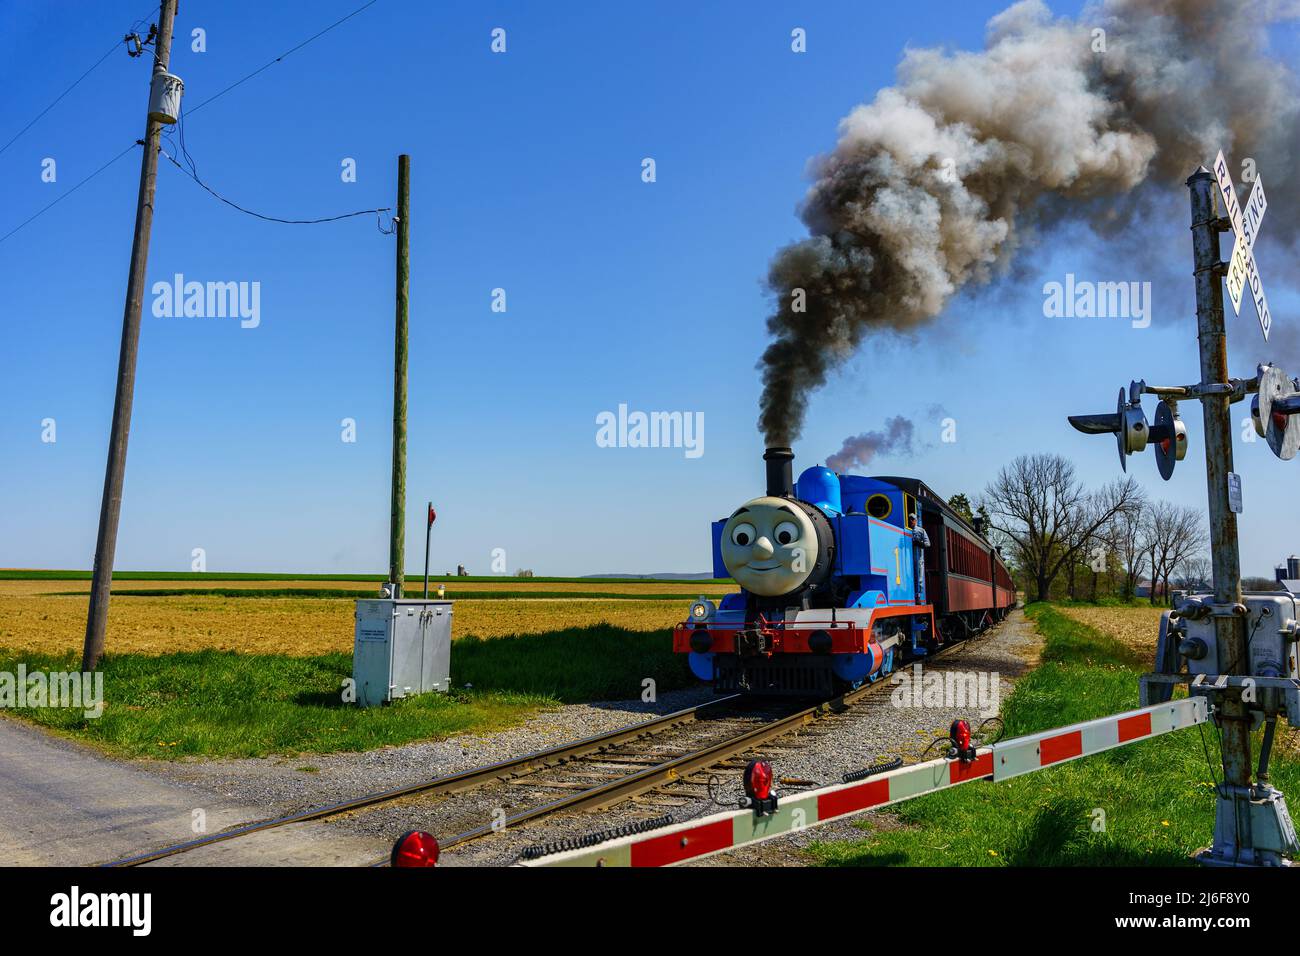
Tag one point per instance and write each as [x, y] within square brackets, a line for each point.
[725, 831]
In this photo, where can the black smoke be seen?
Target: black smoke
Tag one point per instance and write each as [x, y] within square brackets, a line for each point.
[933, 184]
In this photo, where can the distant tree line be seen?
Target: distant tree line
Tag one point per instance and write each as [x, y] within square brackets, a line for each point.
[1062, 539]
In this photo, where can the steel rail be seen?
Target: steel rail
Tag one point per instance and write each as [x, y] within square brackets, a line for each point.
[623, 788]
[453, 783]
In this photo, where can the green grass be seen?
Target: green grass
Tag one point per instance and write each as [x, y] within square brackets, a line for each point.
[1104, 600]
[352, 594]
[1157, 796]
[601, 662]
[226, 704]
[412, 580]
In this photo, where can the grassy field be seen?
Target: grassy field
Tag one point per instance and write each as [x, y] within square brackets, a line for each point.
[241, 665]
[47, 615]
[1135, 626]
[39, 574]
[346, 593]
[1150, 804]
[224, 704]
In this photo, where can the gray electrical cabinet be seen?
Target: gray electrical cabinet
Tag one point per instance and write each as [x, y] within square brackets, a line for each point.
[402, 647]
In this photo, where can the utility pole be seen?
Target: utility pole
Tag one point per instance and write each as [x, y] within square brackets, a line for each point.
[1216, 397]
[110, 509]
[397, 529]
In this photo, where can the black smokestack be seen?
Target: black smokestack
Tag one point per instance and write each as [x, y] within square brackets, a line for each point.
[780, 473]
[935, 183]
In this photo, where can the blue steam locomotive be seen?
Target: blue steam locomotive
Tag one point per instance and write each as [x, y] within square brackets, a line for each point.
[837, 585]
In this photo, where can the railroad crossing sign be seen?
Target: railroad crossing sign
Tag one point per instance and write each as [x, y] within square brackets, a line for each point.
[1242, 270]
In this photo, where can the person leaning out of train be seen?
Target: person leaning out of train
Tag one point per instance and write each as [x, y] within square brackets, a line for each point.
[918, 533]
[919, 540]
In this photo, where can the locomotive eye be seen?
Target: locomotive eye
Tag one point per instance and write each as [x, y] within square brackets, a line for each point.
[787, 531]
[743, 534]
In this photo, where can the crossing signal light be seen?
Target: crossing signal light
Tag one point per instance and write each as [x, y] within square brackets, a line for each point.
[1275, 411]
[1133, 433]
[416, 848]
[759, 793]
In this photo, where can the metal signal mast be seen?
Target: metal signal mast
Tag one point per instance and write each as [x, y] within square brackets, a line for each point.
[1238, 650]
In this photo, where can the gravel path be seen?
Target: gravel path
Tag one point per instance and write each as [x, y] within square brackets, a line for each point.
[872, 730]
[297, 783]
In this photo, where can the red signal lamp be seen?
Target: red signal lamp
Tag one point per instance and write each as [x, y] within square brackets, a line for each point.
[759, 794]
[959, 736]
[415, 848]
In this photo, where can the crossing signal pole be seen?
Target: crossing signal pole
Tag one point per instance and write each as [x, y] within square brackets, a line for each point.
[110, 509]
[1216, 399]
[1203, 637]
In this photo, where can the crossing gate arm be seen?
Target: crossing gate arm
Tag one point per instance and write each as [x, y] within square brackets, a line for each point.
[706, 836]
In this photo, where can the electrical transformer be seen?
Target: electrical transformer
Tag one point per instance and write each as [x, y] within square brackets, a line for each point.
[402, 648]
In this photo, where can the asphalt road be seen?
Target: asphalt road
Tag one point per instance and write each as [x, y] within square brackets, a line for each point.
[64, 804]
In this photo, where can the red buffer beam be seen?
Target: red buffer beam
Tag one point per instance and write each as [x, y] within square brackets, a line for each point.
[725, 831]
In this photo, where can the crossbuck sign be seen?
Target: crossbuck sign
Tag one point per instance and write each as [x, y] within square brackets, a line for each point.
[1242, 270]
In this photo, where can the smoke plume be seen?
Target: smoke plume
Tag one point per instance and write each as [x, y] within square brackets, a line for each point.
[935, 183]
[860, 449]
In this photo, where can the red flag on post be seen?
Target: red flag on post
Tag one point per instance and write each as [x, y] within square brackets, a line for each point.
[433, 515]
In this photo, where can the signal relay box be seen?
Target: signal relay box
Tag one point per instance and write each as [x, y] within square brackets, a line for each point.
[1272, 623]
[402, 648]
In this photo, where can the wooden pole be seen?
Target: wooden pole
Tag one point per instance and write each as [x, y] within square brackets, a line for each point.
[428, 533]
[397, 529]
[110, 508]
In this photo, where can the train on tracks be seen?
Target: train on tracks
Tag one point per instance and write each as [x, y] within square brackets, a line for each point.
[837, 584]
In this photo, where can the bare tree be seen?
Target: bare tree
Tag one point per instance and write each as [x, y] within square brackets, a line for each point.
[1127, 537]
[1173, 534]
[1195, 573]
[1042, 509]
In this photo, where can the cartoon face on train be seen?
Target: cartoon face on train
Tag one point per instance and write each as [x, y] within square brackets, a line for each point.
[769, 546]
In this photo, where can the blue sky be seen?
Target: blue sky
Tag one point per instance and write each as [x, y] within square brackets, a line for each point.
[527, 177]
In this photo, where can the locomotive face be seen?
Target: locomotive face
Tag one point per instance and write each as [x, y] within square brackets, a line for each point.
[769, 546]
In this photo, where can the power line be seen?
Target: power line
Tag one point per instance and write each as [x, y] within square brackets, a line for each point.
[69, 192]
[272, 63]
[258, 215]
[210, 99]
[77, 82]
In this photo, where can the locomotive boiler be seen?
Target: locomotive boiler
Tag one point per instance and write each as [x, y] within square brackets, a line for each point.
[838, 584]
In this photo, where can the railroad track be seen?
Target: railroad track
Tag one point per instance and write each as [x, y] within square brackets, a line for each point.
[677, 770]
[626, 786]
[620, 748]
